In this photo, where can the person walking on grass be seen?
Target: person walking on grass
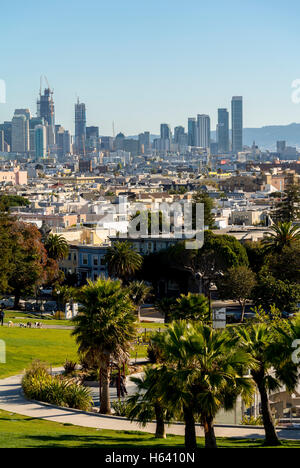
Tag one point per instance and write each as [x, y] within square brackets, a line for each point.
[2, 315]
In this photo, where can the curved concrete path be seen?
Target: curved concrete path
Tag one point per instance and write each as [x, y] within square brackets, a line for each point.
[12, 400]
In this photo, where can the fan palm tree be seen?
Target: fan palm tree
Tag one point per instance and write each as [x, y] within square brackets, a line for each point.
[146, 404]
[201, 373]
[138, 293]
[191, 307]
[104, 329]
[56, 246]
[271, 369]
[123, 261]
[282, 235]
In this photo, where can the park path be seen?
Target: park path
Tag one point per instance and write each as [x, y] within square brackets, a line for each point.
[12, 400]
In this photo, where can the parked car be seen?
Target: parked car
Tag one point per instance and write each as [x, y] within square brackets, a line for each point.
[7, 302]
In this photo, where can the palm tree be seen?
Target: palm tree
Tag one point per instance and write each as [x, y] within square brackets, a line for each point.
[56, 246]
[138, 293]
[191, 307]
[270, 371]
[146, 404]
[165, 307]
[123, 261]
[104, 329]
[201, 373]
[282, 235]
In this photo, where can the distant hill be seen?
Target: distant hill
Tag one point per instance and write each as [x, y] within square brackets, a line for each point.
[264, 137]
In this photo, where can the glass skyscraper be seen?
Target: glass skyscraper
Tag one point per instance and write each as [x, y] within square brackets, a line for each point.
[80, 127]
[237, 123]
[192, 131]
[223, 131]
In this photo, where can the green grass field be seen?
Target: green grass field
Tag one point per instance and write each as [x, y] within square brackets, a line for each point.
[24, 317]
[25, 345]
[23, 432]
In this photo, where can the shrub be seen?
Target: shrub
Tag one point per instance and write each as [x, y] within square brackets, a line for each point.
[121, 408]
[70, 367]
[38, 385]
[252, 421]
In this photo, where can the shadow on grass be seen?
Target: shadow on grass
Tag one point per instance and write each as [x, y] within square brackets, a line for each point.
[99, 441]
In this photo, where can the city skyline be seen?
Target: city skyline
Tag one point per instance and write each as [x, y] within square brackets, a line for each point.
[123, 74]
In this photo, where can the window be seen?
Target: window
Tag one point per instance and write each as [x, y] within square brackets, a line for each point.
[84, 259]
[95, 261]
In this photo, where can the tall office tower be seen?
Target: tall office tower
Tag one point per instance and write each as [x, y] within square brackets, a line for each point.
[40, 134]
[192, 131]
[165, 132]
[80, 127]
[203, 131]
[25, 112]
[237, 123]
[119, 141]
[165, 138]
[223, 131]
[178, 132]
[280, 146]
[67, 143]
[144, 142]
[6, 127]
[2, 141]
[33, 122]
[45, 109]
[92, 138]
[20, 134]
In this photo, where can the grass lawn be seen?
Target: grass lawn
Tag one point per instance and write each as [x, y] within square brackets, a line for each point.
[24, 317]
[23, 432]
[25, 345]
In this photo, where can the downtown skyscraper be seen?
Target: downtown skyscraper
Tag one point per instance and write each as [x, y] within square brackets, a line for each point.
[237, 123]
[80, 127]
[203, 131]
[223, 131]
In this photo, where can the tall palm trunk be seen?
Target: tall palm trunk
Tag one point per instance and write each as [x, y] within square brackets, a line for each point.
[190, 429]
[271, 438]
[139, 313]
[160, 423]
[209, 433]
[105, 380]
[243, 311]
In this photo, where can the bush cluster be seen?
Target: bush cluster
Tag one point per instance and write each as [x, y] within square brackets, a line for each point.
[39, 385]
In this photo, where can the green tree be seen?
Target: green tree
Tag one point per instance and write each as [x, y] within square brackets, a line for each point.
[288, 208]
[201, 372]
[104, 329]
[138, 293]
[123, 261]
[146, 404]
[203, 197]
[9, 201]
[283, 234]
[237, 284]
[191, 307]
[29, 265]
[285, 265]
[165, 307]
[273, 291]
[56, 246]
[269, 371]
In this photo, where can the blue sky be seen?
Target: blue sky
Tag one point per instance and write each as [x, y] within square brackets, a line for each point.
[144, 62]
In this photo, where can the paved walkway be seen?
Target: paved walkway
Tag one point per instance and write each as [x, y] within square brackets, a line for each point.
[12, 400]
